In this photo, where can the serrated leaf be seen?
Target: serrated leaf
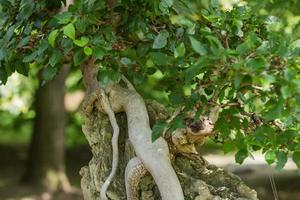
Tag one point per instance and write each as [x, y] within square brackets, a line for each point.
[176, 97]
[270, 156]
[99, 52]
[52, 37]
[237, 81]
[80, 25]
[295, 45]
[125, 61]
[169, 3]
[158, 130]
[30, 57]
[23, 42]
[160, 40]
[64, 17]
[22, 69]
[275, 111]
[3, 76]
[55, 58]
[159, 58]
[228, 147]
[197, 46]
[87, 51]
[281, 157]
[69, 31]
[3, 53]
[49, 73]
[82, 42]
[9, 33]
[286, 91]
[296, 158]
[150, 70]
[257, 64]
[105, 76]
[241, 155]
[79, 57]
[179, 50]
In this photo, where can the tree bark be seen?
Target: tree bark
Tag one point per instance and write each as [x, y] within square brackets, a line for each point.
[46, 162]
[199, 180]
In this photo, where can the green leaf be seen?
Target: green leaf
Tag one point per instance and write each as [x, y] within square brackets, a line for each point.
[150, 70]
[3, 76]
[125, 61]
[197, 46]
[275, 112]
[99, 52]
[296, 158]
[176, 123]
[241, 155]
[158, 130]
[257, 64]
[169, 3]
[9, 33]
[270, 156]
[105, 76]
[82, 42]
[176, 97]
[69, 31]
[55, 57]
[159, 58]
[180, 50]
[3, 53]
[49, 73]
[81, 25]
[228, 147]
[294, 45]
[52, 37]
[79, 57]
[23, 42]
[64, 17]
[237, 81]
[22, 69]
[87, 51]
[30, 57]
[243, 48]
[281, 157]
[160, 40]
[286, 91]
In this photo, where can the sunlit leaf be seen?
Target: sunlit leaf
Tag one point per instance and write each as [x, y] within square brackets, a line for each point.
[52, 37]
[69, 30]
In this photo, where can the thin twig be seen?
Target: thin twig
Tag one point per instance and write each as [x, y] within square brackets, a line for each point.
[273, 185]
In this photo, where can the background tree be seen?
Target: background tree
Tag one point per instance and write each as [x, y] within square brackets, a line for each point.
[208, 61]
[46, 162]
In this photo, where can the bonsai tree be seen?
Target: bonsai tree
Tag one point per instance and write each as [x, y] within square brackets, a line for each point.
[231, 74]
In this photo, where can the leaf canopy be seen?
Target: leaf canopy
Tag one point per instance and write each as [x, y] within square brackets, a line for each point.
[200, 54]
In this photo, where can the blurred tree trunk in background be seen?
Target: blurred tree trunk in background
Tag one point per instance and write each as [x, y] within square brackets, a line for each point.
[46, 159]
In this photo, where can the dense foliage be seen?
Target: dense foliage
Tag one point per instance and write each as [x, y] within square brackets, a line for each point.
[203, 56]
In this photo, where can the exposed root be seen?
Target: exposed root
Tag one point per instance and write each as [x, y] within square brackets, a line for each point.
[134, 172]
[128, 84]
[112, 118]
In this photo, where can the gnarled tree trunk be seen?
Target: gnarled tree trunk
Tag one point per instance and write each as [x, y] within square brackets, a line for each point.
[175, 177]
[199, 180]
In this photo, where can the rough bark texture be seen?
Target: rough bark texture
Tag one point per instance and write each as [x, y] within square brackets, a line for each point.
[199, 180]
[46, 162]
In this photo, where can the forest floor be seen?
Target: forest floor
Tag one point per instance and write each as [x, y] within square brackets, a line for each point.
[254, 172]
